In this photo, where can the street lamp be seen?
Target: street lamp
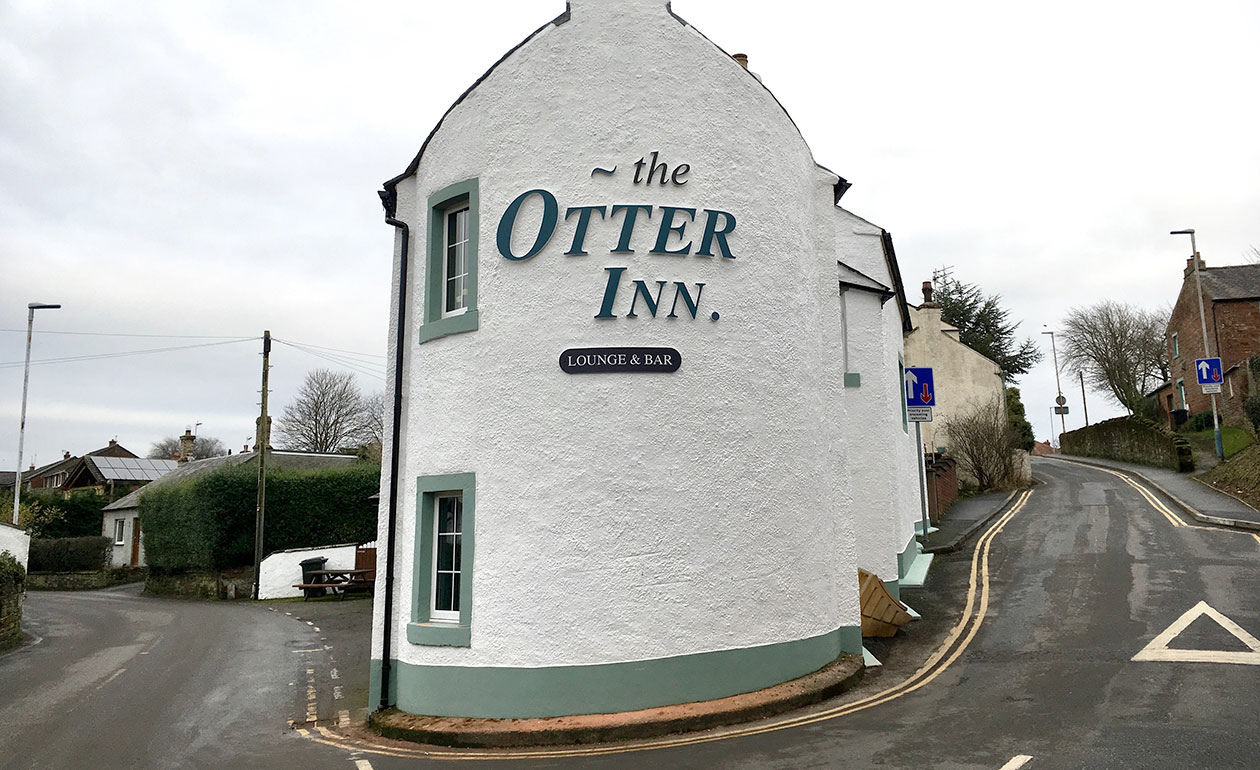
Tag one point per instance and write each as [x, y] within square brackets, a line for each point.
[26, 380]
[1207, 352]
[1060, 400]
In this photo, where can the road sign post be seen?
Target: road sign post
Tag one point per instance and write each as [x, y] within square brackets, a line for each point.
[920, 398]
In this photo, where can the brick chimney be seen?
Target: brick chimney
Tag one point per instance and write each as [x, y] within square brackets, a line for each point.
[927, 295]
[1189, 271]
[186, 442]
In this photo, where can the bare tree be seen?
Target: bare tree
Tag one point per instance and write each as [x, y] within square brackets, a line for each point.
[986, 445]
[1119, 348]
[327, 414]
[203, 447]
[1253, 255]
[372, 429]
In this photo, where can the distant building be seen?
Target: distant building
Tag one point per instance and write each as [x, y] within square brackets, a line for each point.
[57, 475]
[964, 378]
[1231, 310]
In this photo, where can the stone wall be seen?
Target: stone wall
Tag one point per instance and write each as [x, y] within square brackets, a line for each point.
[83, 581]
[1130, 439]
[227, 584]
[942, 485]
[11, 588]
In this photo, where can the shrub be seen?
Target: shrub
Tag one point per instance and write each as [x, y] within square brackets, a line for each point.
[985, 445]
[1251, 407]
[207, 522]
[69, 554]
[1019, 421]
[12, 576]
[51, 514]
[1198, 422]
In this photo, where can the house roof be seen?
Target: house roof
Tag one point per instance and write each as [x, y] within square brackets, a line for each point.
[127, 468]
[275, 458]
[1231, 282]
[113, 449]
[7, 478]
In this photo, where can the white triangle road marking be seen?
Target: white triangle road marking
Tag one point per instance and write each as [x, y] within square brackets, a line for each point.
[1158, 649]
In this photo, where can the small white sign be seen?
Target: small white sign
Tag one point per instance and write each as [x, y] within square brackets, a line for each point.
[1211, 387]
[919, 413]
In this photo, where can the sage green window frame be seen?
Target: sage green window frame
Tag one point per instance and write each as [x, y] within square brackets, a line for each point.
[422, 629]
[901, 394]
[433, 325]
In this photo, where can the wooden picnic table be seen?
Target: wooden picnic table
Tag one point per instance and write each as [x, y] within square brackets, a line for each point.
[339, 581]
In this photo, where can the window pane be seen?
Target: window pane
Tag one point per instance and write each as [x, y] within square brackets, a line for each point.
[459, 514]
[447, 522]
[455, 592]
[444, 600]
[446, 553]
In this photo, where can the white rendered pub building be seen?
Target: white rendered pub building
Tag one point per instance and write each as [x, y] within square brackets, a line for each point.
[647, 417]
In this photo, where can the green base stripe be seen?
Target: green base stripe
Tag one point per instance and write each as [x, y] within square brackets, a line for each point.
[505, 693]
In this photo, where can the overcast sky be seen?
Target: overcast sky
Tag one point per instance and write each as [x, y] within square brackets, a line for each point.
[210, 169]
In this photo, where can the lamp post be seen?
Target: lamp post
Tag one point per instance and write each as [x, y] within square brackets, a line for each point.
[1060, 400]
[26, 380]
[1207, 352]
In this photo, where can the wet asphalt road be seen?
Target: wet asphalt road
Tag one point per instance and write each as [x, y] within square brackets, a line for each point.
[1081, 580]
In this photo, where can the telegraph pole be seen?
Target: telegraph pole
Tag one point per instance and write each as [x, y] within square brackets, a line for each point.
[262, 442]
[1207, 350]
[1084, 405]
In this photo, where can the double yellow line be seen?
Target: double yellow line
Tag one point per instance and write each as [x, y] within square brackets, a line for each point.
[955, 643]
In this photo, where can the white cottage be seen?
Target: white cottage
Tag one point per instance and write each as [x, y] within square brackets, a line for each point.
[647, 414]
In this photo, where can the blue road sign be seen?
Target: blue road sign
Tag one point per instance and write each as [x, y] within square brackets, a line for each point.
[1208, 370]
[920, 390]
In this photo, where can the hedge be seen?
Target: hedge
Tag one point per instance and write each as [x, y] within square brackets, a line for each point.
[207, 522]
[69, 554]
[12, 576]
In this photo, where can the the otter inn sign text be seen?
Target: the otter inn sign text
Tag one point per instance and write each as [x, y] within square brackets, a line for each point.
[632, 297]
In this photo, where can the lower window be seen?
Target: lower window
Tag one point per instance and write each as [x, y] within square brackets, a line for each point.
[441, 610]
[120, 527]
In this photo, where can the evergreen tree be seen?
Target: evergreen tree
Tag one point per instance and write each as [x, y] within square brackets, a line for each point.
[1024, 437]
[985, 326]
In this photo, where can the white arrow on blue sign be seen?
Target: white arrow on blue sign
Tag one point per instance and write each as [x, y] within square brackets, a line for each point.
[1208, 370]
[920, 390]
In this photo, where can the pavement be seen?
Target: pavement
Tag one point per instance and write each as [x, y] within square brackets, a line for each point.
[964, 517]
[1202, 502]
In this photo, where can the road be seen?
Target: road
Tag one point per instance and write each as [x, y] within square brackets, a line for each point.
[1034, 633]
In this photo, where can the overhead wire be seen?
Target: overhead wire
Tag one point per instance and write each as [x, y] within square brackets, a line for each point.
[121, 354]
[120, 334]
[343, 361]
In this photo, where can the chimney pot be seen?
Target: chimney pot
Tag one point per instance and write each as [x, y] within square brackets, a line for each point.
[742, 58]
[927, 292]
[1190, 265]
[65, 455]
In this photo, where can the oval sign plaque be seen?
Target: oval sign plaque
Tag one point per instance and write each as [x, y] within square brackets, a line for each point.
[610, 360]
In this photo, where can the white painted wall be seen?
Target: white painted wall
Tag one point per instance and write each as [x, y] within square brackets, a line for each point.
[16, 542]
[628, 517]
[280, 570]
[120, 555]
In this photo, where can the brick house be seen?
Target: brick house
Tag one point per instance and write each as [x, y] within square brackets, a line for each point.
[1231, 306]
[55, 475]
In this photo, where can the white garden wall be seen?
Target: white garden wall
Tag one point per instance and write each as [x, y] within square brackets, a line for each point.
[280, 570]
[16, 542]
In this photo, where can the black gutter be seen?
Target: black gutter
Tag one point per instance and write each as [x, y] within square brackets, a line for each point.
[400, 337]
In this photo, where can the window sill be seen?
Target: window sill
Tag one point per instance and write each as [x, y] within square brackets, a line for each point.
[456, 324]
[439, 634]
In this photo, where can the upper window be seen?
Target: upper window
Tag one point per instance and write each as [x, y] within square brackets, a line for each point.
[1181, 392]
[1175, 347]
[450, 281]
[455, 268]
[120, 531]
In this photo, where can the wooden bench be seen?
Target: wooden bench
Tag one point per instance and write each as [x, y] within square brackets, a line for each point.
[340, 581]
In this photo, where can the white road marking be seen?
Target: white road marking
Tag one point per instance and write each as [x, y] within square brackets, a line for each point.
[1158, 649]
[315, 628]
[362, 764]
[316, 649]
[333, 674]
[309, 622]
[337, 693]
[310, 671]
[113, 676]
[1016, 762]
[343, 718]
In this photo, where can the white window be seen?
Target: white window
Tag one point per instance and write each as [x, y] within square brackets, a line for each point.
[455, 265]
[448, 510]
[120, 527]
[1175, 347]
